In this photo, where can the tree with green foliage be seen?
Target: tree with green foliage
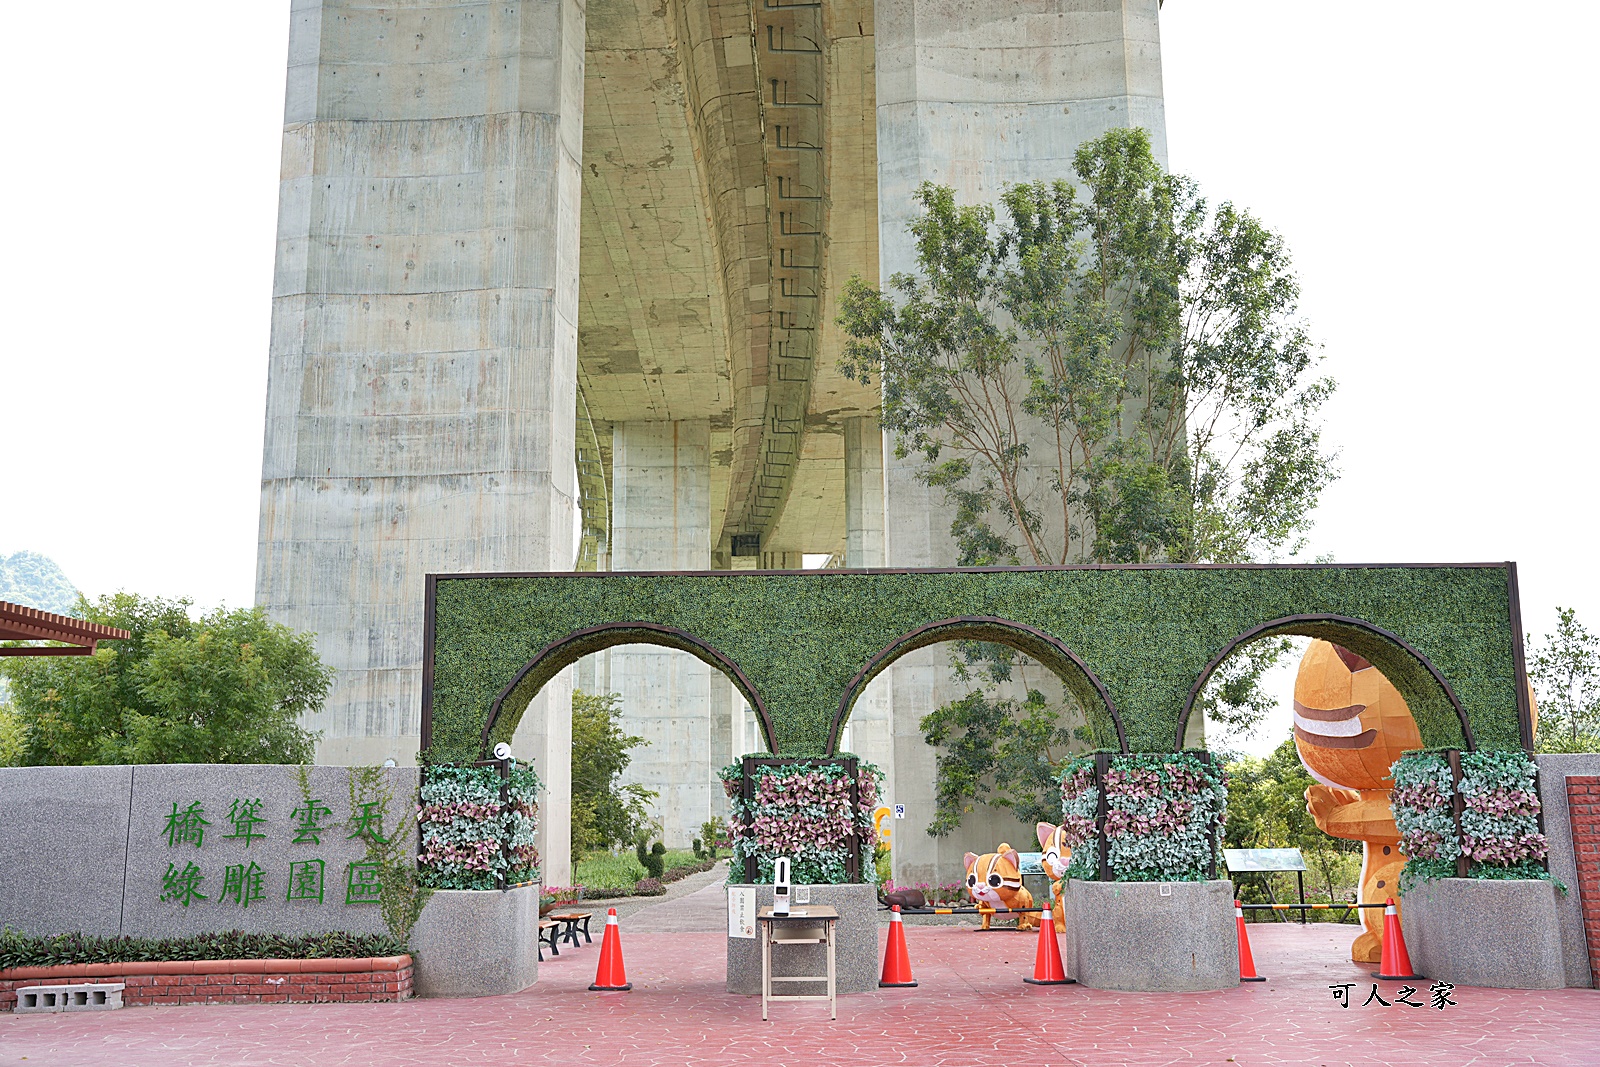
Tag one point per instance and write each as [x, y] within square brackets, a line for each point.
[229, 687]
[13, 735]
[1564, 668]
[1107, 370]
[996, 750]
[1113, 372]
[1267, 809]
[604, 813]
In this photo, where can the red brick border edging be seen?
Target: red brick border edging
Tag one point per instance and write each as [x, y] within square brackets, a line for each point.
[383, 978]
[1583, 807]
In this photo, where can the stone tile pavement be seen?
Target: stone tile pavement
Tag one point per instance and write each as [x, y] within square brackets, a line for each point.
[971, 1009]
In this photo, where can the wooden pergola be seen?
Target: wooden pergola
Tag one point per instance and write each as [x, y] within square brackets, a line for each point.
[19, 623]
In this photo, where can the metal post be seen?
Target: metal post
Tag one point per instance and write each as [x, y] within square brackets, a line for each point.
[1300, 879]
[853, 858]
[747, 767]
[1458, 805]
[1205, 757]
[1102, 764]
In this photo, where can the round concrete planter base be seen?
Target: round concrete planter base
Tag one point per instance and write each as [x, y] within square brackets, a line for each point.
[855, 953]
[477, 943]
[1504, 934]
[1152, 937]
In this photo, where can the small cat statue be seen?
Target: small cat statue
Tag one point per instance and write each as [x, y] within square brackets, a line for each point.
[995, 881]
[1057, 855]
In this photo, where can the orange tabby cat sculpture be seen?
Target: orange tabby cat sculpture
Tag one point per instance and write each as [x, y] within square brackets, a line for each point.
[1350, 724]
[1057, 855]
[995, 881]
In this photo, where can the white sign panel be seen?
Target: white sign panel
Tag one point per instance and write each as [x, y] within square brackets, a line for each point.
[742, 912]
[899, 811]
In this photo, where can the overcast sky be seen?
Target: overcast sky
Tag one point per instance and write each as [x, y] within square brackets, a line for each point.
[1430, 166]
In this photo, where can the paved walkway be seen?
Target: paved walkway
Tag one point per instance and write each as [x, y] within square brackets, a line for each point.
[628, 908]
[971, 1009]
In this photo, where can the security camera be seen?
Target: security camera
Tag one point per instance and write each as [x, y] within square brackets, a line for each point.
[502, 751]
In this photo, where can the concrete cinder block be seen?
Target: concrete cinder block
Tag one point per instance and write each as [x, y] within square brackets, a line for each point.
[855, 953]
[477, 943]
[85, 996]
[1485, 932]
[63, 841]
[1152, 937]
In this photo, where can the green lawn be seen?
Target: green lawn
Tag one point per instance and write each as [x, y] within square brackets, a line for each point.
[602, 870]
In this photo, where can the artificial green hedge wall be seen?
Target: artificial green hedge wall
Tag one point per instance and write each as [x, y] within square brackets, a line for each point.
[1148, 633]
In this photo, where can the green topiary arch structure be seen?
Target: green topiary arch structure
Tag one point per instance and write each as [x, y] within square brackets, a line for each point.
[1139, 641]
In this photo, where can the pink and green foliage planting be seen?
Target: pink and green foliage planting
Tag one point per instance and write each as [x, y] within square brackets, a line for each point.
[474, 834]
[1498, 831]
[804, 811]
[1420, 800]
[1164, 812]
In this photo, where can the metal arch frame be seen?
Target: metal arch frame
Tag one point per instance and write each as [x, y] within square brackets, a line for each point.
[1342, 620]
[629, 633]
[907, 643]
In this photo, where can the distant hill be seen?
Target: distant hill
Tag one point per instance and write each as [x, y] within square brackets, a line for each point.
[35, 581]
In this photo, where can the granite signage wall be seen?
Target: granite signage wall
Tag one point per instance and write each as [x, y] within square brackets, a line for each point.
[167, 850]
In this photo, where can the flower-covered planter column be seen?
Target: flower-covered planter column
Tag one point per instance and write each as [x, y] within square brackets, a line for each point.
[478, 825]
[478, 935]
[817, 812]
[1479, 908]
[1143, 906]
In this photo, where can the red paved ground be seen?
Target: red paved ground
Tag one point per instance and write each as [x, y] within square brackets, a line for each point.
[971, 1009]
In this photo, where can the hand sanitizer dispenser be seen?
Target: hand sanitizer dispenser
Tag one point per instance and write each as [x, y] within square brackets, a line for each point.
[780, 886]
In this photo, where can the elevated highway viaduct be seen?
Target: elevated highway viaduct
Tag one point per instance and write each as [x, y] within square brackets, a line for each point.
[556, 287]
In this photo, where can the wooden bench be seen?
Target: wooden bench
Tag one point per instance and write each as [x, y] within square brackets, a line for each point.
[572, 922]
[548, 936]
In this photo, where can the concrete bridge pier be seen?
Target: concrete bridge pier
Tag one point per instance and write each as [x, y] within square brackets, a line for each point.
[978, 96]
[682, 708]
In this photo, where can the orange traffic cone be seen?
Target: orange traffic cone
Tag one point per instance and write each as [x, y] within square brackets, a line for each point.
[1396, 962]
[896, 960]
[610, 977]
[1047, 969]
[1247, 962]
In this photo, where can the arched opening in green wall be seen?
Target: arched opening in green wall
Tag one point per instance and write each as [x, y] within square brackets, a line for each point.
[1428, 694]
[552, 659]
[1049, 651]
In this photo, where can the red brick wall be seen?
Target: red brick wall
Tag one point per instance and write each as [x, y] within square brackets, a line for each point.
[1583, 800]
[229, 981]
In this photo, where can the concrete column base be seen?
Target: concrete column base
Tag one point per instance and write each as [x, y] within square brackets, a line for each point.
[1485, 932]
[477, 943]
[855, 952]
[1134, 937]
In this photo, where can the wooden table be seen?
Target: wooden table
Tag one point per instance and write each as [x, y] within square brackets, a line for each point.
[805, 925]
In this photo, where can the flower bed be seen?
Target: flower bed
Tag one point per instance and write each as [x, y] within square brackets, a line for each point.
[1164, 813]
[946, 894]
[25, 950]
[478, 826]
[1498, 829]
[673, 874]
[558, 896]
[230, 967]
[818, 812]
